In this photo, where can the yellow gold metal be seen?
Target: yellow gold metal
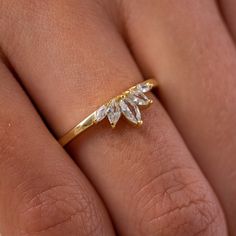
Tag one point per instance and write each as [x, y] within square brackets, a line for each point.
[91, 119]
[140, 123]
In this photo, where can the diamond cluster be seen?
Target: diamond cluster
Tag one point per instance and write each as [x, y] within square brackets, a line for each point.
[127, 105]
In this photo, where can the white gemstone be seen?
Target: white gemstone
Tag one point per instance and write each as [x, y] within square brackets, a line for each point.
[139, 98]
[113, 112]
[136, 110]
[134, 116]
[101, 113]
[127, 112]
[144, 87]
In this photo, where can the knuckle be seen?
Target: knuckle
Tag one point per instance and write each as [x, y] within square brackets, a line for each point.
[178, 207]
[60, 210]
[194, 218]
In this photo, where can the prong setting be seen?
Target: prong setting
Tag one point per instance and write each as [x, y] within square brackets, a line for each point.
[126, 104]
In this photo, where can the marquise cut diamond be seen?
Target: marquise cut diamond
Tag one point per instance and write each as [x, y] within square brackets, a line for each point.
[101, 113]
[139, 98]
[133, 115]
[144, 87]
[113, 112]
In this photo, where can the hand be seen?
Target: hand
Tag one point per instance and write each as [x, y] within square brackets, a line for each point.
[175, 175]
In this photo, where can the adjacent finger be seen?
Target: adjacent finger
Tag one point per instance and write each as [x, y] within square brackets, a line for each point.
[42, 192]
[228, 10]
[73, 63]
[191, 53]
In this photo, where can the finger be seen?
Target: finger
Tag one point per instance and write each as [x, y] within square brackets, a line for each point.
[147, 177]
[193, 56]
[228, 10]
[42, 192]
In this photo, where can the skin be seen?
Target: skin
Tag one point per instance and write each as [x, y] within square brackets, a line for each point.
[60, 60]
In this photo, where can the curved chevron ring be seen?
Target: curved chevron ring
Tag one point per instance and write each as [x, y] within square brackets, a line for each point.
[126, 104]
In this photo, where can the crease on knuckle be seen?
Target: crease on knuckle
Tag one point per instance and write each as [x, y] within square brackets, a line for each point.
[60, 207]
[178, 207]
[194, 218]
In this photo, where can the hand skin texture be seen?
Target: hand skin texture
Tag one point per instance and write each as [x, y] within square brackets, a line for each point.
[60, 60]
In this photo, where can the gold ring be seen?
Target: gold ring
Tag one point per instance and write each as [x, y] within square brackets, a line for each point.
[127, 104]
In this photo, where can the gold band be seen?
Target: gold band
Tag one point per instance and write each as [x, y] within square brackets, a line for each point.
[127, 104]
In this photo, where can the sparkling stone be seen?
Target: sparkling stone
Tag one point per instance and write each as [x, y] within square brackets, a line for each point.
[144, 87]
[113, 112]
[130, 110]
[136, 110]
[139, 98]
[127, 112]
[101, 113]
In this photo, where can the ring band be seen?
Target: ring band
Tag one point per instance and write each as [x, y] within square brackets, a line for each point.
[127, 104]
